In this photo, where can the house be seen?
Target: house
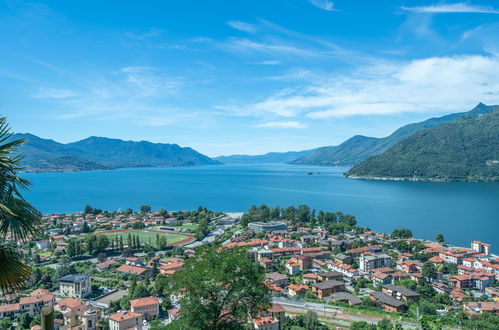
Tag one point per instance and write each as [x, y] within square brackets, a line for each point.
[478, 307]
[381, 278]
[346, 298]
[105, 265]
[134, 261]
[326, 276]
[148, 307]
[344, 269]
[43, 244]
[75, 286]
[436, 260]
[265, 263]
[125, 320]
[265, 323]
[309, 278]
[292, 267]
[136, 270]
[458, 295]
[305, 262]
[480, 247]
[389, 303]
[407, 266]
[297, 290]
[277, 278]
[325, 289]
[278, 312]
[173, 314]
[342, 258]
[367, 262]
[400, 292]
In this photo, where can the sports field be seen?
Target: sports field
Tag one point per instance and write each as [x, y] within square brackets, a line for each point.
[146, 236]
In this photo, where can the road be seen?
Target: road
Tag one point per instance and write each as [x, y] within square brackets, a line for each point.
[223, 225]
[295, 305]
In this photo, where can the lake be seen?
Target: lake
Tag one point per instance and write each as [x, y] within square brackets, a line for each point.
[461, 211]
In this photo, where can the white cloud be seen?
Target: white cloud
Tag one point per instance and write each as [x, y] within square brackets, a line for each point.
[269, 62]
[437, 84]
[323, 4]
[53, 93]
[242, 26]
[145, 35]
[459, 7]
[281, 124]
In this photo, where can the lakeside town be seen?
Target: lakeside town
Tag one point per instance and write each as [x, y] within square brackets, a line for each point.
[111, 270]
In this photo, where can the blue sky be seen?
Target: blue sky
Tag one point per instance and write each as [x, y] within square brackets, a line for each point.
[228, 77]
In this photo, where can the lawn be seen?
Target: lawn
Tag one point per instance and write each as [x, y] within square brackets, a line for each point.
[146, 236]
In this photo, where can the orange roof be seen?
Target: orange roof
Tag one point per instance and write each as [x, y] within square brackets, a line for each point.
[144, 302]
[436, 259]
[9, 308]
[132, 269]
[124, 316]
[298, 287]
[264, 320]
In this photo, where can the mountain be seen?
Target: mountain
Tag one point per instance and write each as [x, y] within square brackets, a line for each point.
[99, 153]
[359, 148]
[464, 150]
[271, 157]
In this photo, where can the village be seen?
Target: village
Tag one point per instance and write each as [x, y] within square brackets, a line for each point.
[117, 280]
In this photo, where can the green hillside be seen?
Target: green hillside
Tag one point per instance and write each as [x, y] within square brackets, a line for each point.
[98, 153]
[359, 148]
[464, 150]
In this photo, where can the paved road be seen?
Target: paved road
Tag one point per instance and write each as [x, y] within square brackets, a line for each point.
[223, 225]
[295, 305]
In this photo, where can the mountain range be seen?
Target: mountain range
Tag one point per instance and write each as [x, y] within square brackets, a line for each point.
[466, 149]
[359, 148]
[99, 153]
[271, 157]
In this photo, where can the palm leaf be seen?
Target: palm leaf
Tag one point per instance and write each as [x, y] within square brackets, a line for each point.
[13, 273]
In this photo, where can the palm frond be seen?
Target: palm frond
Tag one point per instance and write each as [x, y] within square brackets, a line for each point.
[13, 273]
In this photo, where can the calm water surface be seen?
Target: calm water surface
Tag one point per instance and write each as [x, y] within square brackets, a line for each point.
[461, 211]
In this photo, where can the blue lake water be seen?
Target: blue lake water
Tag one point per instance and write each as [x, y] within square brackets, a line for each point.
[461, 211]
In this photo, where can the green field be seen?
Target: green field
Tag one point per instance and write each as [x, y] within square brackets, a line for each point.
[144, 236]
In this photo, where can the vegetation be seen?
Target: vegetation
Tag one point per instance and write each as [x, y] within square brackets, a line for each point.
[18, 218]
[98, 153]
[360, 148]
[335, 222]
[464, 150]
[219, 289]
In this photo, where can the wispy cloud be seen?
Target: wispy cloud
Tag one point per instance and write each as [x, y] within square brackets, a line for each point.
[459, 7]
[323, 4]
[242, 26]
[385, 89]
[53, 93]
[144, 35]
[281, 124]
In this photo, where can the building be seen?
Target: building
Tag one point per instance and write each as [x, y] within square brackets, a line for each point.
[327, 276]
[136, 270]
[389, 303]
[346, 298]
[327, 288]
[367, 262]
[297, 290]
[75, 286]
[277, 278]
[267, 227]
[480, 247]
[148, 306]
[125, 320]
[400, 292]
[266, 323]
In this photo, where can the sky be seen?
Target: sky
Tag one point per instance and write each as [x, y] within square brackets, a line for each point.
[242, 77]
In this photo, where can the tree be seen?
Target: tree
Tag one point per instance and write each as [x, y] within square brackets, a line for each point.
[429, 270]
[219, 289]
[362, 325]
[121, 243]
[440, 238]
[17, 217]
[85, 228]
[145, 208]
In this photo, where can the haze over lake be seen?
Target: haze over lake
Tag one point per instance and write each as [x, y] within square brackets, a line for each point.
[461, 211]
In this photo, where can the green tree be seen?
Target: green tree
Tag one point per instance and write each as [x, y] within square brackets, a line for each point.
[429, 270]
[219, 289]
[440, 238]
[17, 217]
[85, 228]
[145, 208]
